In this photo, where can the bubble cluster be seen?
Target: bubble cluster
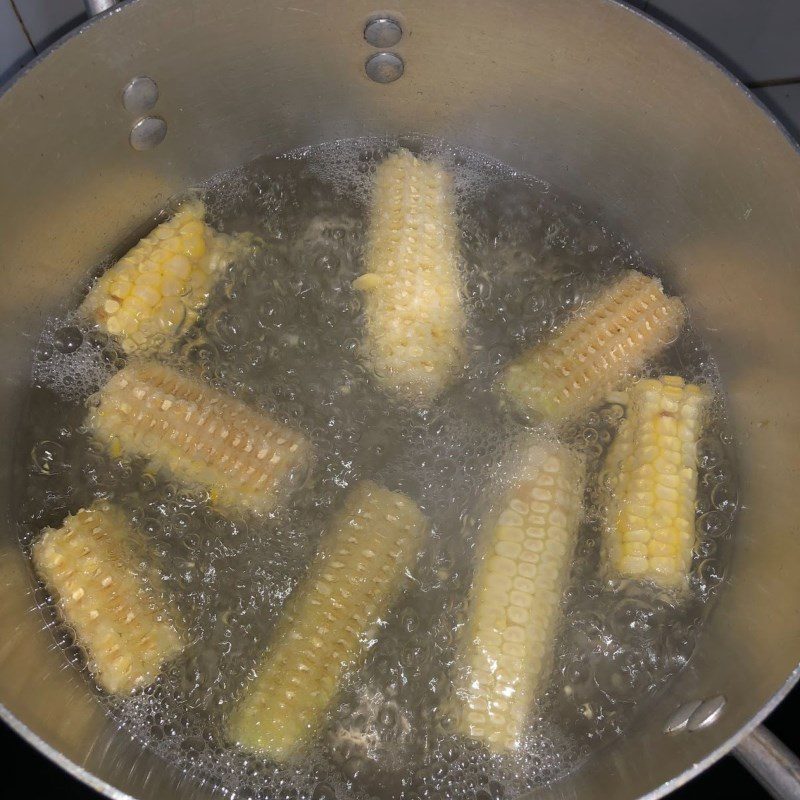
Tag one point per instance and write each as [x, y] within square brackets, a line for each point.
[72, 360]
[282, 331]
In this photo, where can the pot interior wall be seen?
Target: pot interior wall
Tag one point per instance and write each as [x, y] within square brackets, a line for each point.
[587, 95]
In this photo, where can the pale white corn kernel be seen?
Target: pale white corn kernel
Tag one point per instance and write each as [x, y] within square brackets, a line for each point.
[117, 608]
[353, 581]
[412, 286]
[515, 600]
[199, 435]
[607, 340]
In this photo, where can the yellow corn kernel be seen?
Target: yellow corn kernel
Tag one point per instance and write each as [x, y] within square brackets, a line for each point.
[412, 286]
[163, 282]
[651, 474]
[515, 599]
[351, 584]
[607, 340]
[116, 607]
[200, 435]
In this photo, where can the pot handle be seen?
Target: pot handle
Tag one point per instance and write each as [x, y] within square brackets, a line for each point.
[95, 7]
[771, 763]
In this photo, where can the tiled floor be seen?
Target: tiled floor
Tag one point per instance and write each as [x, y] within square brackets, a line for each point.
[784, 102]
[47, 20]
[756, 39]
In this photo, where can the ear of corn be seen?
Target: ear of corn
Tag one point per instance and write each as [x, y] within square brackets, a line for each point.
[515, 599]
[115, 605]
[651, 473]
[412, 287]
[163, 282]
[199, 435]
[609, 339]
[351, 584]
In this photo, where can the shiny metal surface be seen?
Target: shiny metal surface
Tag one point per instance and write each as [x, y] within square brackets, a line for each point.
[95, 7]
[148, 133]
[384, 67]
[140, 95]
[772, 763]
[679, 719]
[383, 32]
[707, 713]
[588, 95]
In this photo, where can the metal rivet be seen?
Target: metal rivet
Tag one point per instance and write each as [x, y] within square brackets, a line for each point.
[140, 95]
[707, 713]
[696, 715]
[148, 133]
[383, 32]
[680, 719]
[384, 67]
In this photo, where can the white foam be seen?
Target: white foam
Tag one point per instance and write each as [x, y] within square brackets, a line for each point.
[74, 375]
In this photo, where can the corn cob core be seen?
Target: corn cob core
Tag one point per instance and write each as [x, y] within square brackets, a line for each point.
[114, 603]
[162, 282]
[603, 343]
[412, 286]
[199, 435]
[515, 599]
[351, 584]
[651, 473]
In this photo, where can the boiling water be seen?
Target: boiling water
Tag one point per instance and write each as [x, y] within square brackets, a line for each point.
[282, 333]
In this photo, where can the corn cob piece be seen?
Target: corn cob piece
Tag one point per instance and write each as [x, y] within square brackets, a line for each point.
[412, 286]
[116, 606]
[608, 340]
[199, 435]
[163, 282]
[352, 582]
[515, 599]
[651, 473]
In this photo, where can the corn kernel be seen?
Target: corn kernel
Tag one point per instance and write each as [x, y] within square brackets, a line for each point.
[607, 340]
[414, 316]
[650, 510]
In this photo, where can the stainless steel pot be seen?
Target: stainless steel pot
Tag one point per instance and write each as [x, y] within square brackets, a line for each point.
[588, 95]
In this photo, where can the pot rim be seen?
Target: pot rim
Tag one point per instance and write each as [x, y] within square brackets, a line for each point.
[101, 786]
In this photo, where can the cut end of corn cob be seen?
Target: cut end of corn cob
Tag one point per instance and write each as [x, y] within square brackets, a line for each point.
[412, 286]
[605, 342]
[199, 435]
[162, 283]
[651, 473]
[351, 584]
[116, 607]
[515, 599]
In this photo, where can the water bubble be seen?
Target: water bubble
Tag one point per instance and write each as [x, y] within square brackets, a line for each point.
[496, 790]
[48, 458]
[98, 339]
[323, 791]
[724, 496]
[710, 453]
[68, 339]
[709, 572]
[713, 523]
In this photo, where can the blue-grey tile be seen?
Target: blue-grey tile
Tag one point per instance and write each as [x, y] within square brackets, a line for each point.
[784, 102]
[15, 49]
[757, 39]
[48, 20]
